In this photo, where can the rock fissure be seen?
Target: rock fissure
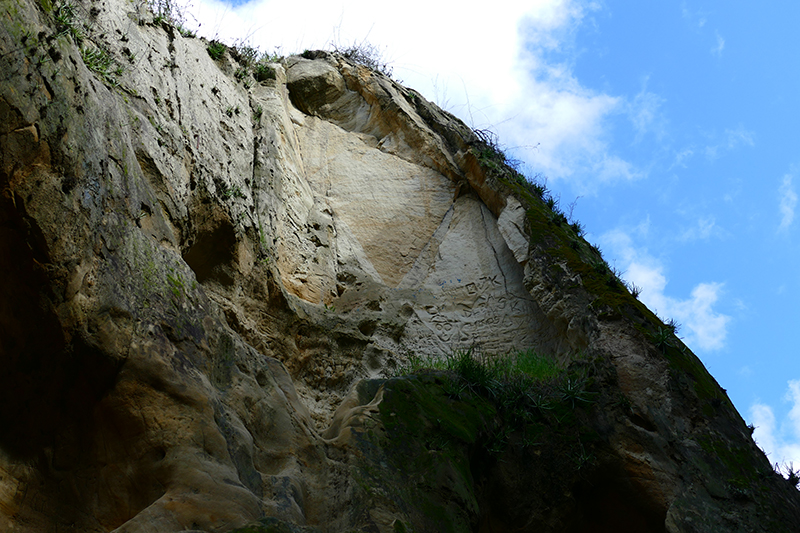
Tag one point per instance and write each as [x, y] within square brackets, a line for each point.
[495, 252]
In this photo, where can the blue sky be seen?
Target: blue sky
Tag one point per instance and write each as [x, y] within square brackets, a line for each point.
[674, 125]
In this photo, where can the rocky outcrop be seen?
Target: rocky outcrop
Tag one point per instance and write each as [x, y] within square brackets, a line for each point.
[208, 282]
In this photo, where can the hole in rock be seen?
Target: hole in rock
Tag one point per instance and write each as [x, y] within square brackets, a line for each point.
[368, 327]
[212, 254]
[545, 493]
[611, 504]
[642, 422]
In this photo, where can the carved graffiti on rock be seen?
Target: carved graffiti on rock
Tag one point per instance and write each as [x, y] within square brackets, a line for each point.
[480, 312]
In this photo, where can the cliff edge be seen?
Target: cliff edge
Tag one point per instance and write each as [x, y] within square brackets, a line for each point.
[216, 272]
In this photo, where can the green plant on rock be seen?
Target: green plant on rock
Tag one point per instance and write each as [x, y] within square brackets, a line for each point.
[176, 284]
[263, 72]
[216, 50]
[558, 218]
[672, 325]
[68, 22]
[257, 112]
[171, 13]
[666, 336]
[663, 338]
[573, 391]
[538, 189]
[584, 459]
[275, 57]
[634, 289]
[365, 53]
[241, 73]
[532, 364]
[793, 475]
[244, 54]
[233, 192]
[534, 404]
[493, 159]
[95, 54]
[185, 32]
[101, 62]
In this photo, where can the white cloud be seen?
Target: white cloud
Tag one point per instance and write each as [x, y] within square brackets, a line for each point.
[644, 113]
[705, 228]
[781, 442]
[703, 326]
[763, 419]
[610, 168]
[696, 18]
[707, 327]
[719, 47]
[731, 140]
[738, 137]
[788, 202]
[494, 68]
[682, 157]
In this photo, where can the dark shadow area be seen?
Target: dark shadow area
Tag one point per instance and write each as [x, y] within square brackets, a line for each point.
[212, 254]
[541, 492]
[47, 382]
[611, 504]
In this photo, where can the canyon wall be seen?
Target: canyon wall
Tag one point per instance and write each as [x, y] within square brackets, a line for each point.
[211, 279]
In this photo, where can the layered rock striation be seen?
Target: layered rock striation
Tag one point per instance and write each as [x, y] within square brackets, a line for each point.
[208, 283]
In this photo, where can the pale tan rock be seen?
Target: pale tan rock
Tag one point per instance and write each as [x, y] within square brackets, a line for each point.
[511, 224]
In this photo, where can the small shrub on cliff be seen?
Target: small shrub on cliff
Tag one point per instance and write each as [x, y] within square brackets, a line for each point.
[68, 22]
[367, 54]
[791, 474]
[494, 159]
[634, 289]
[216, 50]
[263, 72]
[244, 54]
[102, 63]
[495, 375]
[171, 13]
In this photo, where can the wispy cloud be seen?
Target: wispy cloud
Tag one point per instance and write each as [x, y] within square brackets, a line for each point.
[719, 47]
[731, 139]
[703, 229]
[739, 136]
[645, 113]
[787, 202]
[611, 168]
[703, 326]
[682, 157]
[694, 18]
[779, 440]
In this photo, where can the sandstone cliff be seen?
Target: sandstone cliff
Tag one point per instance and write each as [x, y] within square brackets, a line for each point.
[209, 278]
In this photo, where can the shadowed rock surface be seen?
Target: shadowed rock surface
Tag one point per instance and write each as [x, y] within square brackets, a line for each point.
[207, 283]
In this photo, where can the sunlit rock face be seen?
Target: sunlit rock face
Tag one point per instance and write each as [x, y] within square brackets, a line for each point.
[208, 282]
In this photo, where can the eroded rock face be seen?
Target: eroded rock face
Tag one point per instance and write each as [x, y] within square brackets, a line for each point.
[204, 284]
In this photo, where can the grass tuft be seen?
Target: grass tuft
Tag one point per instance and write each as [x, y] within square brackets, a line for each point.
[364, 53]
[216, 50]
[102, 63]
[68, 21]
[492, 374]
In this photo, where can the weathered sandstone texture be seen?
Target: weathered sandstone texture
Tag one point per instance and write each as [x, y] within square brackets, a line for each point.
[208, 283]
